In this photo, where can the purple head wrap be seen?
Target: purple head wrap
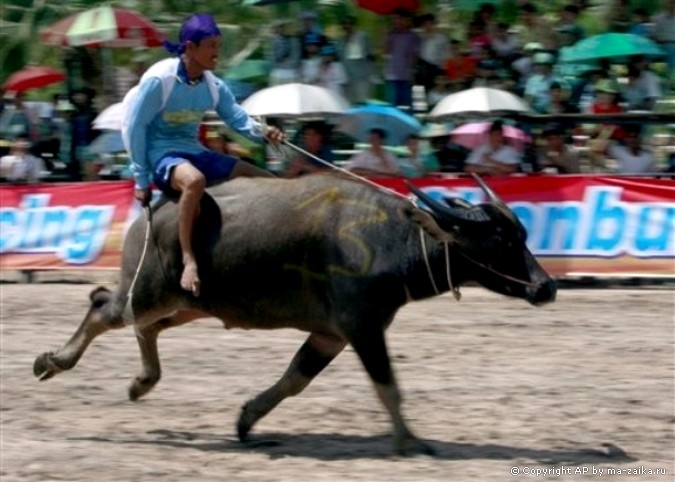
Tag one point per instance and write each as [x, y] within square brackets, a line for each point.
[196, 28]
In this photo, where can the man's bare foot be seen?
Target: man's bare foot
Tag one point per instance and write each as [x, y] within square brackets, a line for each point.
[190, 279]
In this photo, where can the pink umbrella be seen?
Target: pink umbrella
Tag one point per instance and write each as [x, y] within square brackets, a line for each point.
[473, 134]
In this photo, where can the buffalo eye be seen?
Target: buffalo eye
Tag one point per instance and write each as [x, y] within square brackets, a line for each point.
[98, 303]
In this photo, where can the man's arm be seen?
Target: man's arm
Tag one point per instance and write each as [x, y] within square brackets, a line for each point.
[236, 117]
[147, 106]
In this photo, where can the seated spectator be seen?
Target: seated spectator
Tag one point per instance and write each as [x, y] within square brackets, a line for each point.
[331, 73]
[221, 142]
[375, 160]
[418, 163]
[569, 24]
[315, 141]
[504, 44]
[631, 156]
[460, 68]
[495, 156]
[644, 86]
[555, 155]
[606, 102]
[538, 85]
[19, 166]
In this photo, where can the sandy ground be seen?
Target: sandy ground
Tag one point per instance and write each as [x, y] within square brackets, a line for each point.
[581, 385]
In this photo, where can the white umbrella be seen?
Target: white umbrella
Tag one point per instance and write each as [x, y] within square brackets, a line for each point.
[110, 118]
[479, 101]
[295, 100]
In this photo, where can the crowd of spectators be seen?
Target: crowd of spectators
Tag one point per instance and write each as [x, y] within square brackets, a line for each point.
[419, 53]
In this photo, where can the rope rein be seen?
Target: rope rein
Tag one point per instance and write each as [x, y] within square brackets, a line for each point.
[128, 313]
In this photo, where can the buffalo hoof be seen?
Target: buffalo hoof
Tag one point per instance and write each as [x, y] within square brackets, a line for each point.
[45, 367]
[244, 424]
[140, 386]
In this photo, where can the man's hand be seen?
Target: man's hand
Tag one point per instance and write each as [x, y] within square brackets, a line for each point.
[144, 196]
[274, 135]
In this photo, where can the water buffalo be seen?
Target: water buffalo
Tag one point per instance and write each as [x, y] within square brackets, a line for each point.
[330, 256]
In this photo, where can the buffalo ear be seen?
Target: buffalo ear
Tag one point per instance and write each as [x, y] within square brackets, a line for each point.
[424, 220]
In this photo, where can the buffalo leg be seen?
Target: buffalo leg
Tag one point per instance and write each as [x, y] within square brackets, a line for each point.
[371, 348]
[98, 320]
[314, 355]
[151, 370]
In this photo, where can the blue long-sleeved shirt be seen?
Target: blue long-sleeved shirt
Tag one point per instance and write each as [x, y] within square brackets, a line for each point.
[155, 130]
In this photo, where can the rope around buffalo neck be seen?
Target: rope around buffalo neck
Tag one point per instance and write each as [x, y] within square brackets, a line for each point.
[128, 313]
[425, 253]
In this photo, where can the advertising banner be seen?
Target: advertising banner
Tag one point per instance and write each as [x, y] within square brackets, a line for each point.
[577, 225]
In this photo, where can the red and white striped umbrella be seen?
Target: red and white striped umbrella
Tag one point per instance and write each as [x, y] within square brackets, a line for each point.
[108, 26]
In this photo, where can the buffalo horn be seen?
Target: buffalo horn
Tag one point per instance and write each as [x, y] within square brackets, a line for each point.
[494, 199]
[462, 215]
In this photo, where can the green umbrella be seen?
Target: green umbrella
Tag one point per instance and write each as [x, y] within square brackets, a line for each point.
[613, 46]
[247, 70]
[472, 5]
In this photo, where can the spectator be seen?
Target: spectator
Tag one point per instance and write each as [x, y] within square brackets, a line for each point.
[538, 85]
[523, 66]
[331, 74]
[222, 143]
[356, 54]
[375, 161]
[16, 119]
[606, 102]
[619, 16]
[434, 51]
[418, 163]
[534, 27]
[310, 33]
[644, 86]
[556, 155]
[284, 55]
[460, 69]
[504, 44]
[449, 155]
[402, 48]
[631, 156]
[311, 61]
[559, 101]
[495, 156]
[641, 24]
[82, 134]
[569, 25]
[478, 40]
[19, 166]
[664, 34]
[315, 136]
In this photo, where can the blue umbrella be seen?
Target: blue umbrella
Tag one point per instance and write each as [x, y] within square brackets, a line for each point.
[109, 142]
[359, 121]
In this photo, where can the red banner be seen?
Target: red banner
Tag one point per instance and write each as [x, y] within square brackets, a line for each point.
[74, 225]
[577, 225]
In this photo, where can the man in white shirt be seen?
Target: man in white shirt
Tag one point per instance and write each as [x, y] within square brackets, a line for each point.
[375, 161]
[494, 157]
[630, 155]
[19, 166]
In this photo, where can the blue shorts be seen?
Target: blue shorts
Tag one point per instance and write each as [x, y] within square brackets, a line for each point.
[214, 166]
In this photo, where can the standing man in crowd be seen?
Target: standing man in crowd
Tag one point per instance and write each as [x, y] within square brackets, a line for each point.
[402, 50]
